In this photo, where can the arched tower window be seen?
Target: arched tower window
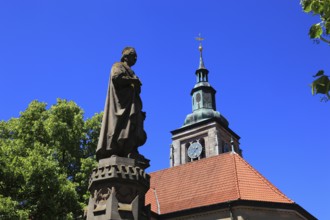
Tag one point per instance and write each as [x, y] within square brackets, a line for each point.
[221, 147]
[187, 157]
[226, 148]
[202, 142]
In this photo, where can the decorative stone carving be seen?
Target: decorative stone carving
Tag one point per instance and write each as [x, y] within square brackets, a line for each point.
[118, 186]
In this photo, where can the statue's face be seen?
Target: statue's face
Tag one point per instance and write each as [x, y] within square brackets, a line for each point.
[131, 59]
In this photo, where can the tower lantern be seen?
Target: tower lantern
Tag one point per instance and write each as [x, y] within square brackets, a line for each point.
[205, 131]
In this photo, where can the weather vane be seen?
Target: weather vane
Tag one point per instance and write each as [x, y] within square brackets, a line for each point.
[200, 39]
[200, 48]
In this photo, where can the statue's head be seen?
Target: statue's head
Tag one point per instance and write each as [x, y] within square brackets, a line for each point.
[129, 56]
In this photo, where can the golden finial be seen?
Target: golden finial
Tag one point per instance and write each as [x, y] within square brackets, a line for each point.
[200, 39]
[200, 48]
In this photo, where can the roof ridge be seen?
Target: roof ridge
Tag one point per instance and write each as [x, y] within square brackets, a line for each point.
[266, 181]
[187, 164]
[236, 176]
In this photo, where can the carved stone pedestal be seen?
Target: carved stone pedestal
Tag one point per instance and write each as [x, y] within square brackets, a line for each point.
[118, 187]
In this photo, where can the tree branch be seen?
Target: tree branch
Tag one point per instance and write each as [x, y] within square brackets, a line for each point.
[325, 40]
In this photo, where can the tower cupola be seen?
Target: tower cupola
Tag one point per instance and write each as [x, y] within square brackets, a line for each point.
[203, 95]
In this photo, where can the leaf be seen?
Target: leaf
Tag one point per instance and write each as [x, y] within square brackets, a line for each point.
[326, 10]
[315, 31]
[328, 89]
[307, 5]
[319, 73]
[321, 85]
[317, 7]
[327, 27]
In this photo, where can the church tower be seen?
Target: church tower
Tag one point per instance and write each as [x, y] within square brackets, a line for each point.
[208, 178]
[205, 132]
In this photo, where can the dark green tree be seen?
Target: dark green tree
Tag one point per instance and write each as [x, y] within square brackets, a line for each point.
[46, 157]
[319, 32]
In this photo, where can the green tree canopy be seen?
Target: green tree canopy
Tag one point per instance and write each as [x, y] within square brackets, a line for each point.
[319, 31]
[320, 8]
[46, 157]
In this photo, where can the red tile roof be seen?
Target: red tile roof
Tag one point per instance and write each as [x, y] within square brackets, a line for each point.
[214, 180]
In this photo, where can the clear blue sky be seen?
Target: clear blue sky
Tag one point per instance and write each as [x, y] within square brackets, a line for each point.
[259, 55]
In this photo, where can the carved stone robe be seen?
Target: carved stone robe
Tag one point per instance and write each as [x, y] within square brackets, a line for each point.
[122, 129]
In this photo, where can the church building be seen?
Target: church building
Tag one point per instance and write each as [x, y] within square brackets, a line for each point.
[208, 177]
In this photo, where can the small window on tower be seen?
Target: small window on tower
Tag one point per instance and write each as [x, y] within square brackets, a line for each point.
[222, 147]
[187, 147]
[226, 148]
[202, 142]
[198, 97]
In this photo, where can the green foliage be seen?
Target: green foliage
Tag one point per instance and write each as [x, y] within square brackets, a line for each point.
[9, 209]
[319, 8]
[321, 85]
[315, 31]
[319, 31]
[46, 157]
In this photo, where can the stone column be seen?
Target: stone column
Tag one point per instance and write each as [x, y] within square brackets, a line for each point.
[118, 187]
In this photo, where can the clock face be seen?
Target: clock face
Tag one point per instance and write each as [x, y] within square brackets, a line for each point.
[195, 150]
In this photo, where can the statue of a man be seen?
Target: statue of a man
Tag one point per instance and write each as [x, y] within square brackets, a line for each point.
[122, 129]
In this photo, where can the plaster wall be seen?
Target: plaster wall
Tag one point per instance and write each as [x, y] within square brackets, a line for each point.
[244, 213]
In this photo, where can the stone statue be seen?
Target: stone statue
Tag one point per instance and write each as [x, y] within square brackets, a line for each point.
[122, 129]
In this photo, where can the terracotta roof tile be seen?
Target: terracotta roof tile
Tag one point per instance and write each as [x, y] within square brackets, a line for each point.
[214, 180]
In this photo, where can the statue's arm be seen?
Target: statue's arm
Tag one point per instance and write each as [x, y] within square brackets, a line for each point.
[123, 80]
[120, 77]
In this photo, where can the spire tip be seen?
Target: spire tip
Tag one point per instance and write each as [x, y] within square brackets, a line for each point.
[200, 48]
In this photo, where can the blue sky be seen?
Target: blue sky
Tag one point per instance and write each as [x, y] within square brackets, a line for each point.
[259, 55]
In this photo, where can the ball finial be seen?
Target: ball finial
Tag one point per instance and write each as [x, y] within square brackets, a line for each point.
[200, 39]
[200, 48]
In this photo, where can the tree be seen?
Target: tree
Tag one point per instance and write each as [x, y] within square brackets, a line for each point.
[46, 157]
[319, 31]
